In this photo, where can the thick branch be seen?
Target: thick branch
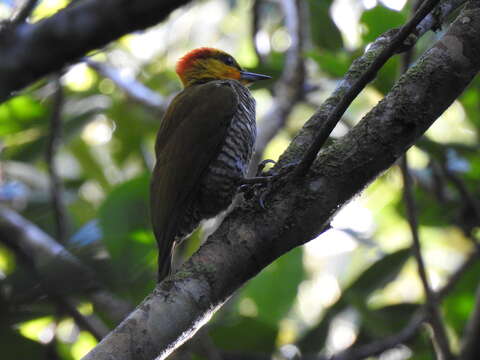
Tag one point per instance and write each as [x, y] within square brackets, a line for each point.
[315, 124]
[250, 238]
[368, 75]
[434, 20]
[30, 51]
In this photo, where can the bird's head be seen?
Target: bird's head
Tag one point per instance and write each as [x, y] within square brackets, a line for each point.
[206, 64]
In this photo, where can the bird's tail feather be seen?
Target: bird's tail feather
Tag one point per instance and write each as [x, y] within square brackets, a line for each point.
[165, 263]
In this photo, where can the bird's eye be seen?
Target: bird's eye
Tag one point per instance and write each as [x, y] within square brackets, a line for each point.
[229, 61]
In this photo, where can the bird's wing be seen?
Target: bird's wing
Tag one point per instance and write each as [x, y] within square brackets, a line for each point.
[190, 136]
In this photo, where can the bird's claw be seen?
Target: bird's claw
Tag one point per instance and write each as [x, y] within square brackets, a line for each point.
[262, 164]
[262, 186]
[256, 189]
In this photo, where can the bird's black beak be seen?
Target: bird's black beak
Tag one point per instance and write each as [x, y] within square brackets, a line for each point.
[251, 77]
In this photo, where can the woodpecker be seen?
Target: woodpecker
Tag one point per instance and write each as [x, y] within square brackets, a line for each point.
[203, 147]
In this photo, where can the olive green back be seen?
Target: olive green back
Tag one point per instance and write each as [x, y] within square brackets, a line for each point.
[190, 137]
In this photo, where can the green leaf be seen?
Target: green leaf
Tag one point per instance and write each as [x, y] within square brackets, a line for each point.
[387, 76]
[429, 213]
[380, 323]
[377, 275]
[132, 138]
[125, 211]
[246, 335]
[15, 346]
[325, 33]
[20, 113]
[387, 320]
[125, 223]
[89, 163]
[378, 20]
[314, 340]
[277, 284]
[36, 148]
[334, 64]
[470, 100]
[459, 304]
[356, 295]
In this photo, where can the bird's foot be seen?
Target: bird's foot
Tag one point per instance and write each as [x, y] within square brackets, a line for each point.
[262, 164]
[264, 183]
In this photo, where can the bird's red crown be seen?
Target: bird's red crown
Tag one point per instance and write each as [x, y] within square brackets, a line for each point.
[189, 58]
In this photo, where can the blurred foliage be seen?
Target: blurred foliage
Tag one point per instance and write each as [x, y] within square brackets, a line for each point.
[353, 287]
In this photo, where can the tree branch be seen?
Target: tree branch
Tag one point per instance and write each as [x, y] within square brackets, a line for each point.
[33, 254]
[432, 303]
[408, 332]
[53, 140]
[30, 51]
[435, 19]
[315, 124]
[47, 256]
[134, 89]
[434, 318]
[367, 76]
[250, 238]
[24, 12]
[382, 345]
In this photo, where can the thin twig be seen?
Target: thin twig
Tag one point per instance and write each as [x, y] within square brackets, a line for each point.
[255, 27]
[358, 86]
[133, 88]
[380, 346]
[290, 87]
[406, 334]
[56, 188]
[435, 319]
[24, 12]
[92, 324]
[436, 18]
[314, 124]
